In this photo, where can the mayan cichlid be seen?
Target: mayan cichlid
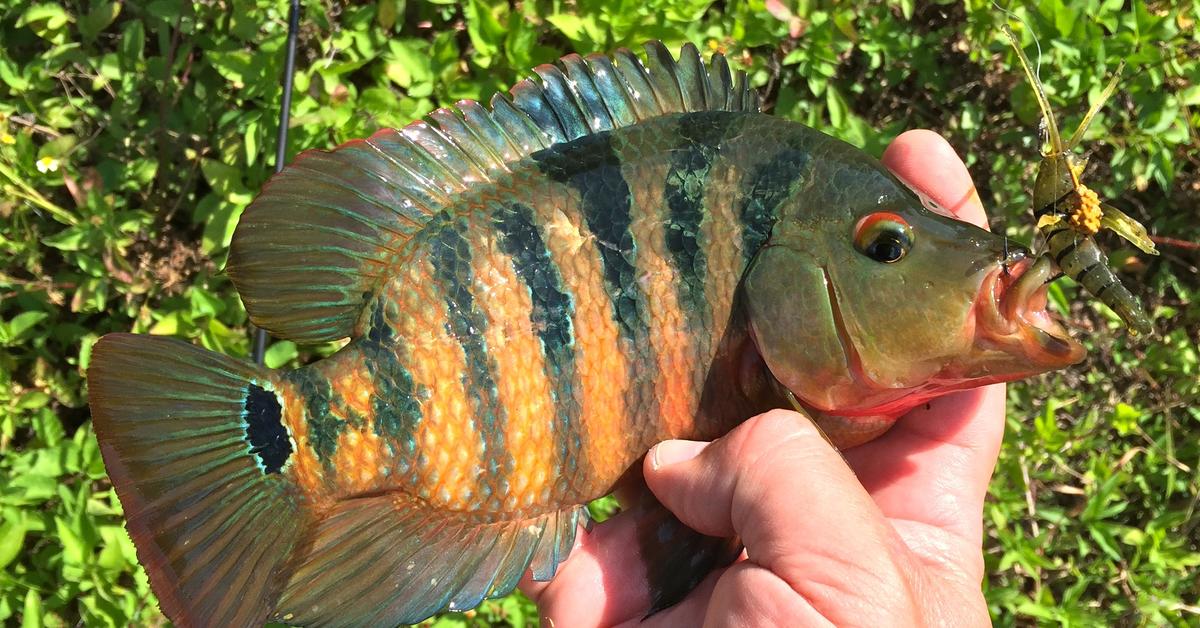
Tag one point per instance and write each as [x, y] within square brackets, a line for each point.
[536, 292]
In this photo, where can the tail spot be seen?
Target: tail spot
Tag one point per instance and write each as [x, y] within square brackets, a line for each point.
[265, 432]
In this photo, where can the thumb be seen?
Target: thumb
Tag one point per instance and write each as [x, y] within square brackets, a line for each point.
[798, 508]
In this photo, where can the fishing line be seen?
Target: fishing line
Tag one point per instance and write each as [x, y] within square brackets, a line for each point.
[1037, 66]
[285, 111]
[1043, 130]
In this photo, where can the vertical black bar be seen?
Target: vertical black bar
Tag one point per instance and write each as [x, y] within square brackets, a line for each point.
[285, 111]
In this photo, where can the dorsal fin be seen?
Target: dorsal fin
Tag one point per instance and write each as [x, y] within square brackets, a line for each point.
[310, 251]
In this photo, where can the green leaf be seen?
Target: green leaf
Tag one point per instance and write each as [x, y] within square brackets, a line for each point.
[236, 66]
[112, 552]
[69, 239]
[408, 63]
[12, 76]
[23, 323]
[1103, 538]
[133, 43]
[100, 17]
[74, 540]
[168, 325]
[226, 180]
[205, 303]
[1190, 95]
[837, 108]
[250, 141]
[1125, 418]
[31, 488]
[280, 353]
[32, 400]
[58, 147]
[44, 19]
[31, 614]
[386, 12]
[218, 231]
[166, 10]
[12, 539]
[569, 25]
[485, 29]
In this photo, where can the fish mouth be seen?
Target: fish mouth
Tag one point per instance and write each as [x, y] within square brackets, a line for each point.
[1012, 316]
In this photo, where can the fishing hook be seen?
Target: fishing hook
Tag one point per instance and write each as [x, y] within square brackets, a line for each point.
[1004, 261]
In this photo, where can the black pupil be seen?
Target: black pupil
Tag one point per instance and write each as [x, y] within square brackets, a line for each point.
[887, 247]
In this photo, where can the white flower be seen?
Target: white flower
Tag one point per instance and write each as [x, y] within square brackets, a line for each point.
[47, 164]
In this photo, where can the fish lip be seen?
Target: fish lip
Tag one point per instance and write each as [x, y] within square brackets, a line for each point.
[1012, 315]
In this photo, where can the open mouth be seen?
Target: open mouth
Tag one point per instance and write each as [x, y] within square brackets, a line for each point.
[1012, 312]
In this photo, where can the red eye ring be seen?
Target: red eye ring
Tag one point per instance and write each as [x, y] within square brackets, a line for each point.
[870, 219]
[883, 236]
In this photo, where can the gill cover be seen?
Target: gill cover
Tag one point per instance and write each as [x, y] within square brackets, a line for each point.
[791, 312]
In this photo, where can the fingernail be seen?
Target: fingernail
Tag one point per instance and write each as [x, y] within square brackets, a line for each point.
[671, 451]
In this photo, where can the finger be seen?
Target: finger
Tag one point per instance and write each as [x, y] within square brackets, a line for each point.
[751, 595]
[775, 482]
[927, 162]
[601, 584]
[934, 465]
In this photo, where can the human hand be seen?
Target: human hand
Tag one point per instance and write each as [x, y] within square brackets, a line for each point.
[891, 534]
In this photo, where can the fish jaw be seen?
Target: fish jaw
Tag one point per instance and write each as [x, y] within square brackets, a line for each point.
[1015, 336]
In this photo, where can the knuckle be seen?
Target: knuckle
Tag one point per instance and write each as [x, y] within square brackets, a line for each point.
[776, 426]
[765, 436]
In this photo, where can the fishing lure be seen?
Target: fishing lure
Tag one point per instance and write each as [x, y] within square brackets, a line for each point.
[615, 253]
[1069, 214]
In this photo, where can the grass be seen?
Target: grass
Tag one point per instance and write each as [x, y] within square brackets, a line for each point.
[133, 134]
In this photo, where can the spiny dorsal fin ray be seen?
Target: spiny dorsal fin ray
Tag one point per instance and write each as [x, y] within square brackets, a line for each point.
[321, 238]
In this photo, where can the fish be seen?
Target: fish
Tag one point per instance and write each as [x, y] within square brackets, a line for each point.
[1069, 214]
[536, 291]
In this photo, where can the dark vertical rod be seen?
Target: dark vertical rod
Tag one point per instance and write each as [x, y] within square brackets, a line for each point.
[285, 114]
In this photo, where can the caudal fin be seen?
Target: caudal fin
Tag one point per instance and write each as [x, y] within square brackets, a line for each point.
[194, 444]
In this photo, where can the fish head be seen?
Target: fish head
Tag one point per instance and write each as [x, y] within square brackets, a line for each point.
[877, 306]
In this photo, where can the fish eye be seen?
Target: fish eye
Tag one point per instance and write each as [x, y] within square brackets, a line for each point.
[883, 237]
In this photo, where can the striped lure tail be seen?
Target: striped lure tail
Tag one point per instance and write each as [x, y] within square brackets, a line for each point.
[1081, 259]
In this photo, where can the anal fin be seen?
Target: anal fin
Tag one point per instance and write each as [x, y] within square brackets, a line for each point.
[390, 559]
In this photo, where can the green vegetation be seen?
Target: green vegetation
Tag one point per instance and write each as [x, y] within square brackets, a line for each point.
[133, 134]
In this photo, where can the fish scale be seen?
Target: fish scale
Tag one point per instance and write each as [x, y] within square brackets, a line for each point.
[535, 292]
